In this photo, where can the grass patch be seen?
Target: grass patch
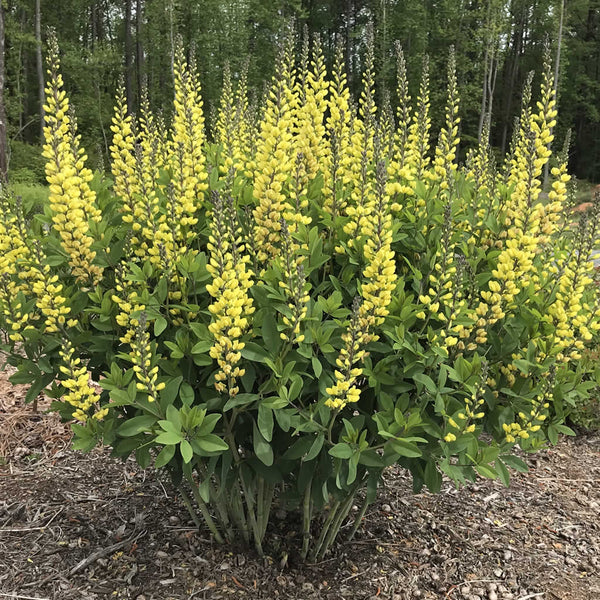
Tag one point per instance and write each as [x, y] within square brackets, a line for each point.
[31, 194]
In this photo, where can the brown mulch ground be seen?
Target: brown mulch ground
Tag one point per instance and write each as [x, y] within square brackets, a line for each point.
[75, 526]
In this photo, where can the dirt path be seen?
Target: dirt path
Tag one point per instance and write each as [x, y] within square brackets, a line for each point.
[76, 526]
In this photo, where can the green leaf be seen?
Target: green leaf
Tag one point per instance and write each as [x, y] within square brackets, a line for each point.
[275, 402]
[161, 291]
[486, 471]
[404, 448]
[164, 456]
[173, 417]
[255, 353]
[186, 393]
[84, 439]
[142, 455]
[426, 381]
[299, 448]
[502, 471]
[159, 326]
[202, 347]
[212, 443]
[352, 463]
[136, 425]
[169, 393]
[269, 331]
[370, 458]
[284, 418]
[341, 450]
[186, 451]
[296, 387]
[315, 448]
[317, 366]
[265, 422]
[204, 490]
[168, 437]
[514, 462]
[37, 386]
[201, 331]
[432, 477]
[262, 448]
[240, 400]
[564, 429]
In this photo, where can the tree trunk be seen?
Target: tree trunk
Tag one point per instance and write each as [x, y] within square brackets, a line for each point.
[139, 48]
[128, 57]
[39, 64]
[3, 140]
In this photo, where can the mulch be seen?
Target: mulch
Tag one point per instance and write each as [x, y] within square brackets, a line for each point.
[87, 526]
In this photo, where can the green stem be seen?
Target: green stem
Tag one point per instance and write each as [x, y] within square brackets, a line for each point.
[268, 502]
[306, 519]
[238, 513]
[229, 438]
[260, 500]
[324, 530]
[223, 513]
[331, 423]
[251, 515]
[204, 510]
[359, 518]
[336, 524]
[188, 504]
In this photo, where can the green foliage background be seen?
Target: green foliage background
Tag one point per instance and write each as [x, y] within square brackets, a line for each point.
[91, 35]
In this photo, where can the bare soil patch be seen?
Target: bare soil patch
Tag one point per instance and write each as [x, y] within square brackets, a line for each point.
[76, 526]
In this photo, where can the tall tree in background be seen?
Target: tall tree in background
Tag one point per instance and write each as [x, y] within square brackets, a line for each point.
[497, 43]
[3, 137]
[39, 64]
[128, 56]
[139, 47]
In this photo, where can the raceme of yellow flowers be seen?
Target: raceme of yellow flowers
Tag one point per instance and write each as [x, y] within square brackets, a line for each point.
[232, 305]
[312, 160]
[71, 200]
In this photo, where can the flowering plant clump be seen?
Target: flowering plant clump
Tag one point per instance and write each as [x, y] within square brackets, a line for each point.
[278, 314]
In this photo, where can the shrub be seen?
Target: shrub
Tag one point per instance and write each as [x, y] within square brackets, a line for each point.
[586, 413]
[31, 195]
[280, 314]
[26, 163]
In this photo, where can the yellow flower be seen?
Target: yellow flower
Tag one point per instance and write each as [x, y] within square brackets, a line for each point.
[230, 287]
[71, 201]
[80, 394]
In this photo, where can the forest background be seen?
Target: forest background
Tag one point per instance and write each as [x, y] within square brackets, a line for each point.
[497, 43]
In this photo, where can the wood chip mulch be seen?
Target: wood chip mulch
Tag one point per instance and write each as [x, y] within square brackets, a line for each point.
[77, 526]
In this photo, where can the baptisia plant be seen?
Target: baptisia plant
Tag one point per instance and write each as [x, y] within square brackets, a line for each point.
[277, 314]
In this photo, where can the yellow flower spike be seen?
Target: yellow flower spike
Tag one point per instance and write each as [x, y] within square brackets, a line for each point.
[70, 194]
[376, 290]
[295, 286]
[445, 152]
[337, 170]
[230, 288]
[419, 131]
[80, 394]
[142, 358]
[273, 163]
[312, 87]
[187, 161]
[233, 131]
